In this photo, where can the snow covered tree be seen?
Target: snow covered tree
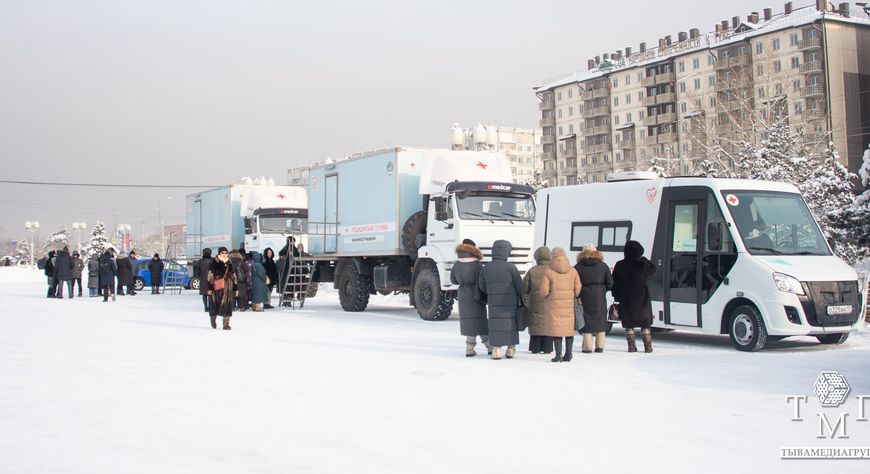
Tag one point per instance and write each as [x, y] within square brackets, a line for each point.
[538, 181]
[57, 240]
[781, 156]
[99, 242]
[22, 251]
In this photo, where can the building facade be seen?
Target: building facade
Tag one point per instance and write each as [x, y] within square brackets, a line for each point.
[522, 146]
[690, 102]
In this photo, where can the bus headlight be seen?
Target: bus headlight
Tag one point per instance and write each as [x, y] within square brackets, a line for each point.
[787, 283]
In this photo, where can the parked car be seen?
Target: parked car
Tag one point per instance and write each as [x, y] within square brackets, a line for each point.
[170, 268]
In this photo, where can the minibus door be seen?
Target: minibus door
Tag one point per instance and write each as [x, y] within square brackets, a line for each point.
[682, 262]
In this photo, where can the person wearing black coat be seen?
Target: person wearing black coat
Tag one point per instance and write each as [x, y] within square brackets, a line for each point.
[108, 270]
[597, 281]
[134, 270]
[200, 272]
[631, 291]
[221, 304]
[155, 266]
[271, 272]
[501, 286]
[48, 270]
[125, 274]
[472, 313]
[63, 272]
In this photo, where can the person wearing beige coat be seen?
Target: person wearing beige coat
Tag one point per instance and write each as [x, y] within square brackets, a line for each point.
[560, 287]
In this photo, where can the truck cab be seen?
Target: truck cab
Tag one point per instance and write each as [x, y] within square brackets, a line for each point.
[270, 227]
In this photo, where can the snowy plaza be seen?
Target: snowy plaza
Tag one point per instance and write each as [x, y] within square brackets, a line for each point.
[145, 385]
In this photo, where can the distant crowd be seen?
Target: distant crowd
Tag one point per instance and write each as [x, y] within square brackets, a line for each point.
[108, 274]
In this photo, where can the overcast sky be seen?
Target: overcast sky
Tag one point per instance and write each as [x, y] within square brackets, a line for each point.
[205, 92]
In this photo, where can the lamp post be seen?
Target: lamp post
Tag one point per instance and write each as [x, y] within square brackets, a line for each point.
[124, 237]
[80, 227]
[160, 223]
[32, 227]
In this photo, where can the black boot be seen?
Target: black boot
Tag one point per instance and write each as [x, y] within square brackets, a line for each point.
[569, 347]
[646, 335]
[629, 336]
[213, 322]
[557, 345]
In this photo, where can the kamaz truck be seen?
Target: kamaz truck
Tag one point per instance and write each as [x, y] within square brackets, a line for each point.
[258, 216]
[389, 221]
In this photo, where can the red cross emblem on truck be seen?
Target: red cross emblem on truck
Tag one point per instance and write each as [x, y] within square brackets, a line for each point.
[732, 200]
[281, 196]
[481, 164]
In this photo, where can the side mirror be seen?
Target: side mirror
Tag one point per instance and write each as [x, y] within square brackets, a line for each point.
[440, 209]
[249, 226]
[714, 236]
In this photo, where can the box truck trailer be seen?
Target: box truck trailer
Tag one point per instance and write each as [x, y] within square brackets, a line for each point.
[739, 257]
[390, 220]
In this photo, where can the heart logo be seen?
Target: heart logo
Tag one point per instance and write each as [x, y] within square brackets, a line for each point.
[651, 194]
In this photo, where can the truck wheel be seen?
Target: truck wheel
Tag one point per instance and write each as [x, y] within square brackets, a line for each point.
[353, 289]
[432, 303]
[311, 292]
[138, 283]
[414, 226]
[833, 338]
[747, 329]
[194, 283]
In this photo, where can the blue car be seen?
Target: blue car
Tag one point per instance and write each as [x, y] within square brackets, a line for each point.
[171, 268]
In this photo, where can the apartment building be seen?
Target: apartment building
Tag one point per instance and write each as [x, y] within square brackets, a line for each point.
[522, 146]
[693, 98]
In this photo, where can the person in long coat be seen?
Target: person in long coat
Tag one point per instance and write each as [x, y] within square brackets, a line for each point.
[631, 291]
[560, 287]
[93, 275]
[536, 304]
[501, 286]
[133, 258]
[597, 281]
[125, 274]
[238, 263]
[78, 268]
[108, 269]
[271, 272]
[155, 266]
[63, 272]
[200, 272]
[259, 289]
[221, 300]
[472, 313]
[48, 270]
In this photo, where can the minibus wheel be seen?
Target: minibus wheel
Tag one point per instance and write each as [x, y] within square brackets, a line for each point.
[746, 329]
[833, 338]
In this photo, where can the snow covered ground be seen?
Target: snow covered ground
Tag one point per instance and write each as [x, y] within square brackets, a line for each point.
[145, 385]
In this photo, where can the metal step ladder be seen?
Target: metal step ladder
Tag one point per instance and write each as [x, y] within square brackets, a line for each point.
[297, 283]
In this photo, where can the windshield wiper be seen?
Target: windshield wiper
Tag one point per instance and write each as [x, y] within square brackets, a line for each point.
[498, 215]
[475, 215]
[767, 249]
[519, 218]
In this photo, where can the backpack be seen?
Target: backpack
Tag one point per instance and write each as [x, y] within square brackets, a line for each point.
[241, 272]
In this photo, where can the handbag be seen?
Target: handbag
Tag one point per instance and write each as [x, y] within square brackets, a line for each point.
[579, 319]
[613, 312]
[522, 314]
[220, 284]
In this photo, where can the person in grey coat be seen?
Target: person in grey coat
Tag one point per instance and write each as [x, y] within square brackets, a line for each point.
[93, 275]
[78, 267]
[500, 284]
[63, 272]
[472, 313]
[134, 270]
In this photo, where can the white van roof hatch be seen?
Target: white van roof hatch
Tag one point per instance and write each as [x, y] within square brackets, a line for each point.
[630, 176]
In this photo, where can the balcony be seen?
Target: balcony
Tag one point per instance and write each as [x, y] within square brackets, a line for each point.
[601, 147]
[548, 155]
[547, 104]
[648, 81]
[596, 130]
[812, 91]
[811, 115]
[664, 78]
[649, 121]
[570, 170]
[548, 138]
[548, 121]
[595, 93]
[569, 152]
[666, 98]
[548, 173]
[811, 67]
[819, 138]
[811, 43]
[666, 138]
[649, 140]
[736, 61]
[666, 118]
[628, 144]
[730, 85]
[598, 111]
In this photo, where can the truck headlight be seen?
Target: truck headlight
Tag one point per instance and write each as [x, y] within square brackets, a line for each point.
[787, 283]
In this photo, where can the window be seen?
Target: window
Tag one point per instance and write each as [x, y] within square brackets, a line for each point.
[777, 66]
[616, 119]
[559, 113]
[775, 44]
[639, 77]
[778, 89]
[559, 96]
[711, 81]
[640, 95]
[607, 236]
[741, 51]
[711, 60]
[761, 92]
[681, 66]
[759, 48]
[795, 62]
[560, 130]
[712, 102]
[570, 111]
[796, 85]
[618, 156]
[627, 99]
[682, 86]
[697, 83]
[627, 79]
[570, 128]
[570, 93]
[793, 39]
[628, 117]
[616, 101]
[683, 107]
[798, 108]
[696, 63]
[640, 115]
[759, 69]
[615, 82]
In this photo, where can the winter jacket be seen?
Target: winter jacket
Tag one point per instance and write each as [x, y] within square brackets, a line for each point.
[597, 281]
[156, 269]
[108, 269]
[125, 270]
[63, 266]
[465, 273]
[48, 269]
[270, 266]
[241, 272]
[630, 287]
[78, 267]
[134, 264]
[536, 302]
[500, 283]
[200, 271]
[94, 272]
[221, 300]
[260, 293]
[561, 285]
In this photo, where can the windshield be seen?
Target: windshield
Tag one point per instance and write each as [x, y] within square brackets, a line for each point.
[282, 224]
[496, 206]
[774, 223]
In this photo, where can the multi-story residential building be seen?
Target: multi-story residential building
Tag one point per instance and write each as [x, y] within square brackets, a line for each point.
[522, 146]
[695, 99]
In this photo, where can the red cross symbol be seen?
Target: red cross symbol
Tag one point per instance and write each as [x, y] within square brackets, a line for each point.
[412, 164]
[732, 199]
[281, 196]
[481, 164]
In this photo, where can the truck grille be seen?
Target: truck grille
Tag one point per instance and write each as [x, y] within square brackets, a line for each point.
[823, 294]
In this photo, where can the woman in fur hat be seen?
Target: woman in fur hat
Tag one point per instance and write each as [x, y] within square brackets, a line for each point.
[472, 313]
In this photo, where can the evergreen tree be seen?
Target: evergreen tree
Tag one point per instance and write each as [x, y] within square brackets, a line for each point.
[57, 240]
[781, 156]
[538, 182]
[99, 242]
[22, 251]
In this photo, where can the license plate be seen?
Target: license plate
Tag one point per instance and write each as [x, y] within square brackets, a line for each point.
[842, 309]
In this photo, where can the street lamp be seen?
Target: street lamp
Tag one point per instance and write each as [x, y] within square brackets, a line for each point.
[124, 237]
[32, 227]
[80, 227]
[160, 223]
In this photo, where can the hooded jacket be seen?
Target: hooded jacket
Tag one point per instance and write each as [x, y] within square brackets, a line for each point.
[94, 271]
[125, 270]
[63, 266]
[465, 273]
[535, 301]
[260, 294]
[155, 267]
[630, 287]
[502, 286]
[560, 286]
[597, 281]
[200, 270]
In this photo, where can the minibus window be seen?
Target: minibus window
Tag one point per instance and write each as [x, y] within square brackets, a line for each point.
[775, 223]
